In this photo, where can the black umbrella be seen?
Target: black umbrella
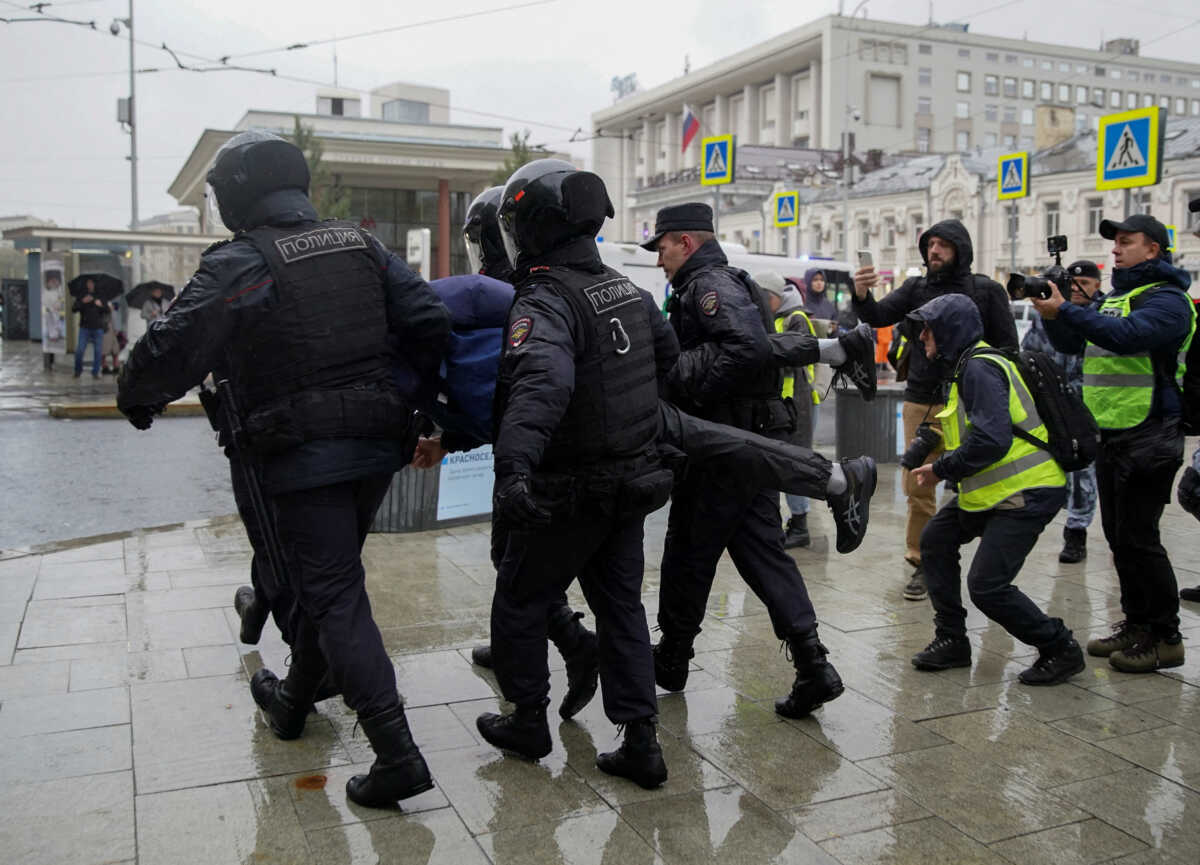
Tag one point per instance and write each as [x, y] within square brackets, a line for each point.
[142, 291]
[104, 286]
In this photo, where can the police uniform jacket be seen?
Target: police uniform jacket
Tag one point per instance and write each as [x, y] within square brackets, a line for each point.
[234, 289]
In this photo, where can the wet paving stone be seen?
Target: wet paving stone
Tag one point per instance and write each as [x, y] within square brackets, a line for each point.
[924, 842]
[855, 814]
[434, 836]
[595, 838]
[55, 713]
[72, 821]
[1075, 844]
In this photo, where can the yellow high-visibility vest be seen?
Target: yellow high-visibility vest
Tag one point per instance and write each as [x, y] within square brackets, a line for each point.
[810, 371]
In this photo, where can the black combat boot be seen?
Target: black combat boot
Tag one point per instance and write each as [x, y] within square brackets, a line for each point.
[671, 658]
[640, 757]
[944, 653]
[399, 770]
[817, 682]
[523, 732]
[253, 612]
[797, 532]
[580, 649]
[1074, 546]
[482, 656]
[285, 704]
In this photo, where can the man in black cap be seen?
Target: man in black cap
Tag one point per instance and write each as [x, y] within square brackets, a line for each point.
[719, 313]
[1133, 346]
[1188, 492]
[1081, 484]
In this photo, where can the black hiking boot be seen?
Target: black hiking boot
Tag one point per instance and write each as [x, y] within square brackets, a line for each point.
[523, 732]
[399, 770]
[797, 532]
[859, 368]
[482, 656]
[816, 683]
[1055, 664]
[944, 653]
[282, 702]
[852, 508]
[1074, 546]
[581, 651]
[671, 658]
[640, 757]
[252, 611]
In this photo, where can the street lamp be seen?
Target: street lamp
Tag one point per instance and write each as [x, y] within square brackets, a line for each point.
[127, 114]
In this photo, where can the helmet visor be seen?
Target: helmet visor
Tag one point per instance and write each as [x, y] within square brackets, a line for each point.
[474, 249]
[511, 249]
[213, 224]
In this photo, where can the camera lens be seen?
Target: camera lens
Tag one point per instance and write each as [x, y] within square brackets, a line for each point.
[922, 445]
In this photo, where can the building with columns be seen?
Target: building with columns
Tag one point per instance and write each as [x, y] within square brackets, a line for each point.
[898, 88]
[404, 164]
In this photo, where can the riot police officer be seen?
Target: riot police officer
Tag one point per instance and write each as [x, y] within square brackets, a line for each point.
[313, 324]
[576, 468]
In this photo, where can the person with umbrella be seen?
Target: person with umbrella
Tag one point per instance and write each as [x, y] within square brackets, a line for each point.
[151, 298]
[93, 311]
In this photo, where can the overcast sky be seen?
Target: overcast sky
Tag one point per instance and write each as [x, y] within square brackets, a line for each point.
[546, 66]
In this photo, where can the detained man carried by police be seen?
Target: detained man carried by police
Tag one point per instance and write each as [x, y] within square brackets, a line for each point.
[1008, 489]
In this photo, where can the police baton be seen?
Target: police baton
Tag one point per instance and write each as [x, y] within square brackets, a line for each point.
[232, 418]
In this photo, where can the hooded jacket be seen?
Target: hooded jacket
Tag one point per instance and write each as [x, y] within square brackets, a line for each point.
[983, 389]
[989, 297]
[817, 303]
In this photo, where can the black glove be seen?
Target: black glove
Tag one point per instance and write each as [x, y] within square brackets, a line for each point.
[141, 416]
[513, 501]
[1189, 492]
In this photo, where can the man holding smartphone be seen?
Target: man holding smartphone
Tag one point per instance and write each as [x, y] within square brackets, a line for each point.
[947, 251]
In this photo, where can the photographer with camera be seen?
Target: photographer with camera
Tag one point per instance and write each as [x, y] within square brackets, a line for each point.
[1009, 487]
[1133, 345]
[947, 251]
[1081, 484]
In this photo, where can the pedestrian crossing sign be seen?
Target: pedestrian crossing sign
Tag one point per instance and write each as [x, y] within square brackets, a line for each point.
[1170, 237]
[1012, 176]
[787, 209]
[719, 154]
[1129, 148]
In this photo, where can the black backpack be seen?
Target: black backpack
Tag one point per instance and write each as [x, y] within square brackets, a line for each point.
[1074, 436]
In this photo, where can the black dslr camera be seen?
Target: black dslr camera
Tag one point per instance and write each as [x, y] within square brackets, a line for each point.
[922, 445]
[1020, 287]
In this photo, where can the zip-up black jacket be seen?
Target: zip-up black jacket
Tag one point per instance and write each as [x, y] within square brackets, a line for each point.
[999, 329]
[92, 315]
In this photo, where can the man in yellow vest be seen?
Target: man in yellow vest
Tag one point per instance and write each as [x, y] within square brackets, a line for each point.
[1133, 348]
[785, 304]
[1008, 489]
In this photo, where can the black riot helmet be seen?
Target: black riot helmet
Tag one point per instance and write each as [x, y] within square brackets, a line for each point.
[481, 231]
[250, 166]
[547, 203]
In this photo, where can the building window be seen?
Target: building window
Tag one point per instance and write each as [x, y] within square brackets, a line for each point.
[991, 113]
[1164, 102]
[992, 57]
[336, 106]
[1095, 212]
[991, 85]
[924, 48]
[1064, 93]
[1027, 62]
[1164, 78]
[816, 238]
[1014, 221]
[839, 239]
[1081, 123]
[1131, 99]
[1027, 116]
[1046, 65]
[964, 52]
[1010, 58]
[1196, 107]
[989, 139]
[1010, 142]
[1026, 142]
[1147, 100]
[1051, 218]
[962, 140]
[925, 76]
[1114, 74]
[406, 111]
[1027, 86]
[1098, 97]
[923, 136]
[962, 82]
[1180, 106]
[1046, 91]
[1010, 114]
[924, 105]
[917, 227]
[1132, 75]
[962, 110]
[864, 234]
[1100, 71]
[1081, 69]
[767, 113]
[1081, 94]
[1064, 67]
[1010, 87]
[1141, 202]
[889, 233]
[1193, 219]
[1114, 99]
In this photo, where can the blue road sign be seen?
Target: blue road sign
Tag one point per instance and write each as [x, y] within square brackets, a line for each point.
[787, 209]
[1129, 149]
[717, 167]
[1012, 176]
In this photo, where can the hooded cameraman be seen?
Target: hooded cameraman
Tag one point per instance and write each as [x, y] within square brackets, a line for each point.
[947, 251]
[1008, 489]
[1133, 347]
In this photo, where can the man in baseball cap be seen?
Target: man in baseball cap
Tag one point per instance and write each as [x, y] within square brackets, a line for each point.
[1142, 223]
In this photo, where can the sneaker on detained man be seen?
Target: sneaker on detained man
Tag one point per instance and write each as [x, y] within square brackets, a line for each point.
[859, 367]
[852, 507]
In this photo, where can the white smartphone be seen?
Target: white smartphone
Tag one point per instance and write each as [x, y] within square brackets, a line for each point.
[864, 258]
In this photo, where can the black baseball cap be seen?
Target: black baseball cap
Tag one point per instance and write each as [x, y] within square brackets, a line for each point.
[693, 216]
[1083, 267]
[1142, 222]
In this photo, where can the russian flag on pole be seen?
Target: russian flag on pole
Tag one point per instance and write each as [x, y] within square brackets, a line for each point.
[691, 126]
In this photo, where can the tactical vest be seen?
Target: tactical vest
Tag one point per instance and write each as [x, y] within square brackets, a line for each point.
[316, 363]
[1024, 467]
[810, 371]
[1118, 389]
[613, 412]
[757, 405]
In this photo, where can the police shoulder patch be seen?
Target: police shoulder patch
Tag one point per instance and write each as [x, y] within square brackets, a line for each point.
[519, 332]
[710, 302]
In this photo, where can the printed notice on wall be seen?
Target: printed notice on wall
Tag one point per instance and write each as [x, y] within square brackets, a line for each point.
[465, 484]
